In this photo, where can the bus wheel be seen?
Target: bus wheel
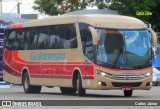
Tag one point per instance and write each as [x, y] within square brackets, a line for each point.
[27, 87]
[80, 90]
[128, 93]
[66, 90]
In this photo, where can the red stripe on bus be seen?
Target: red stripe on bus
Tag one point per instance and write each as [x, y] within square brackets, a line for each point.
[14, 26]
[44, 76]
[11, 71]
[15, 55]
[58, 76]
[48, 68]
[88, 77]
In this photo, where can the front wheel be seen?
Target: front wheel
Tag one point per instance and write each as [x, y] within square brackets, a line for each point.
[80, 90]
[28, 88]
[128, 93]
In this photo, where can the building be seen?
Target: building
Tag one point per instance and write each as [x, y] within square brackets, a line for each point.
[12, 17]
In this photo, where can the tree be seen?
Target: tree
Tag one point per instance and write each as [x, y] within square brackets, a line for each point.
[132, 7]
[55, 7]
[124, 7]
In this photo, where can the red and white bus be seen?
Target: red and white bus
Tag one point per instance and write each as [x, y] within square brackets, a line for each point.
[77, 53]
[3, 24]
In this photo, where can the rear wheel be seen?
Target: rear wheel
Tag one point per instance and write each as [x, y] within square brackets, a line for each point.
[80, 90]
[66, 90]
[28, 88]
[128, 93]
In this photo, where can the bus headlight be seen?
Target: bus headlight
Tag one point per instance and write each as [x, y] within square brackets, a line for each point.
[103, 73]
[148, 74]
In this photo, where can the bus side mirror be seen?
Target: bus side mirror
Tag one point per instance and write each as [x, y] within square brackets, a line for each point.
[153, 36]
[94, 35]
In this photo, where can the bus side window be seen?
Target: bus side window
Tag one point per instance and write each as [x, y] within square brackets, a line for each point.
[7, 40]
[52, 38]
[52, 44]
[20, 37]
[26, 39]
[14, 41]
[42, 39]
[73, 39]
[55, 37]
[69, 37]
[33, 36]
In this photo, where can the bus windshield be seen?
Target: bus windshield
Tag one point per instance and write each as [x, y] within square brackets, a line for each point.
[124, 49]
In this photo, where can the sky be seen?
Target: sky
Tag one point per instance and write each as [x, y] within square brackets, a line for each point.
[10, 6]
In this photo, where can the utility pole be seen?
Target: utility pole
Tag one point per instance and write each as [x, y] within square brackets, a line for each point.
[0, 7]
[18, 7]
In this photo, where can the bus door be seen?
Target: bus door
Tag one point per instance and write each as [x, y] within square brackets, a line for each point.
[88, 56]
[87, 46]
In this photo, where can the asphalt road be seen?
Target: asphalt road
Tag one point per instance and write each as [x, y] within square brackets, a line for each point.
[17, 93]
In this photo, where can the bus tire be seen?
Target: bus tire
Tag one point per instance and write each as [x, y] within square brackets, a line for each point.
[128, 93]
[66, 90]
[27, 87]
[80, 90]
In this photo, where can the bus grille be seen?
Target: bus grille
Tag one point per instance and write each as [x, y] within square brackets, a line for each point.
[116, 84]
[129, 77]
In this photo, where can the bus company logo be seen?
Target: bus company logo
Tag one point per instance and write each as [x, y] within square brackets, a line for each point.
[127, 78]
[39, 56]
[6, 103]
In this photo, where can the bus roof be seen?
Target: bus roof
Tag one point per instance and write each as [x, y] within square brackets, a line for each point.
[113, 21]
[96, 20]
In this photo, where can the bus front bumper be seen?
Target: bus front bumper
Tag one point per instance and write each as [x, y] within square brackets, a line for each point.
[105, 83]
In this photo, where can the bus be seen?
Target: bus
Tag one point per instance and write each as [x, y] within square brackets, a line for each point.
[156, 66]
[1, 47]
[156, 62]
[3, 24]
[79, 52]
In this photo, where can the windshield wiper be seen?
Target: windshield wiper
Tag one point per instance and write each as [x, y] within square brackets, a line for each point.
[101, 62]
[104, 64]
[117, 58]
